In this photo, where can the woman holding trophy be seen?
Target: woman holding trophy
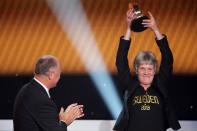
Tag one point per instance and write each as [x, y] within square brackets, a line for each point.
[146, 105]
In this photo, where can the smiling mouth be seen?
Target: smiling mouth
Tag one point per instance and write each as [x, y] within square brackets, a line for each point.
[146, 76]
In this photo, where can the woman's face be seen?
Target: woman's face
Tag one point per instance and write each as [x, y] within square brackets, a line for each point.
[145, 73]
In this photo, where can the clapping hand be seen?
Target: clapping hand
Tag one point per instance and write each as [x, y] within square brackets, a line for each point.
[72, 112]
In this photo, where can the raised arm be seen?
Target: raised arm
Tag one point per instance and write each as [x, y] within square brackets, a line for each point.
[124, 44]
[122, 62]
[166, 67]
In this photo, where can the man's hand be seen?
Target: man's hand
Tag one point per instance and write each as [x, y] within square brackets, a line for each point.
[71, 113]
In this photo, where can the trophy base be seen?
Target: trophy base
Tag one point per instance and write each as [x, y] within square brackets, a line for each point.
[137, 26]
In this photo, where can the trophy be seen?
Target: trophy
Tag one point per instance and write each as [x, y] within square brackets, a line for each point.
[136, 25]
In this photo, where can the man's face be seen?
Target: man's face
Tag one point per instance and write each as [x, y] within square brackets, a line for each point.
[145, 73]
[55, 75]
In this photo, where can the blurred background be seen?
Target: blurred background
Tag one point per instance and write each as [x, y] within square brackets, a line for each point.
[84, 36]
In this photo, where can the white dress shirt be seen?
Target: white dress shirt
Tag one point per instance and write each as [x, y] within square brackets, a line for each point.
[46, 89]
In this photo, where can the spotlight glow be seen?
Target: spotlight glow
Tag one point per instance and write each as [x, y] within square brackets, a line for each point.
[71, 16]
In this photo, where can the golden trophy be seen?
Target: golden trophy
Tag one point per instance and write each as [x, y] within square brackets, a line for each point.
[136, 25]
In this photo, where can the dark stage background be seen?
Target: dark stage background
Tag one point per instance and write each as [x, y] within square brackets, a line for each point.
[79, 88]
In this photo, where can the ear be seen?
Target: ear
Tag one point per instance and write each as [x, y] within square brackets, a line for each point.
[136, 71]
[156, 70]
[50, 75]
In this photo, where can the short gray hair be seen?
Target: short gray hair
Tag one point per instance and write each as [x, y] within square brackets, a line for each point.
[44, 63]
[147, 57]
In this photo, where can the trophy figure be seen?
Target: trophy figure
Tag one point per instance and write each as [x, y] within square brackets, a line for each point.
[136, 25]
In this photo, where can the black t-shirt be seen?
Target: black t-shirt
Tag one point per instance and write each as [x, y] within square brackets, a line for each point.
[145, 111]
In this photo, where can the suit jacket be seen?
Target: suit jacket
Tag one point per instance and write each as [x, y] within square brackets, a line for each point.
[130, 83]
[35, 111]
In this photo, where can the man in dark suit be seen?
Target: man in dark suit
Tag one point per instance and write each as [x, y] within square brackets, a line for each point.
[33, 108]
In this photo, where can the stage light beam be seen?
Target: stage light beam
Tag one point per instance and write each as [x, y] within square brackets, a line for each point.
[73, 20]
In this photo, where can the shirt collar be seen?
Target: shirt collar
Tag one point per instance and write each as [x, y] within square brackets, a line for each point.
[46, 89]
